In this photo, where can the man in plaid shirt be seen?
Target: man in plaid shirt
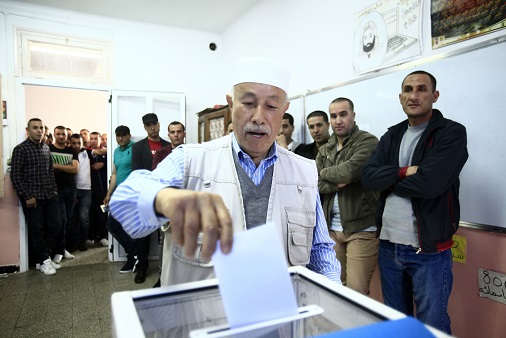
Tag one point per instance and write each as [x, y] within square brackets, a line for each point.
[33, 181]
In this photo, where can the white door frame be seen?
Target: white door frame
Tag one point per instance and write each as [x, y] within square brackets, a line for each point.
[117, 253]
[19, 134]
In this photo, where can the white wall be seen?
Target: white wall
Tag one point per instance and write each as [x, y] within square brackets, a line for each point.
[315, 38]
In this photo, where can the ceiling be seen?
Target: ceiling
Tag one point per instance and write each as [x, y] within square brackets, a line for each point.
[206, 15]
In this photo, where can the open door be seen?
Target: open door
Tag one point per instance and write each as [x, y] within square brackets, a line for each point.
[73, 105]
[128, 107]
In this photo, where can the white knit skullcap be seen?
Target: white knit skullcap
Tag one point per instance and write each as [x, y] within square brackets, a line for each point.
[262, 70]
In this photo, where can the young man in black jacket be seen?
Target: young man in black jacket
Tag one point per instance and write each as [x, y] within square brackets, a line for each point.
[143, 153]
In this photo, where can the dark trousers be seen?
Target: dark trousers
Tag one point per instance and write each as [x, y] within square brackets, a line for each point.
[44, 226]
[142, 245]
[98, 219]
[121, 236]
[83, 212]
[66, 201]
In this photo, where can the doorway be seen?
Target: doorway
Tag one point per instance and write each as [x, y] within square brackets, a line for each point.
[76, 107]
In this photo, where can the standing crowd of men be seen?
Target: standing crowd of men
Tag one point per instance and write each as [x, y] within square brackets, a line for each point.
[69, 171]
[55, 179]
[352, 200]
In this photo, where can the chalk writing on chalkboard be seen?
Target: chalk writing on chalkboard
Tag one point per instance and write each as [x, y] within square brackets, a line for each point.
[492, 285]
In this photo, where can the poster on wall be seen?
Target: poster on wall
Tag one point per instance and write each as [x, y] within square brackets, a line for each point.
[387, 33]
[453, 21]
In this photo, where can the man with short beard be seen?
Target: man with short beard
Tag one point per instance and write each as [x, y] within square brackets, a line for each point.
[33, 181]
[349, 208]
[368, 40]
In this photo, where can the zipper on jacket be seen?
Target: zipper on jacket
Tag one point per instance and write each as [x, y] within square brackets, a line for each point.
[418, 235]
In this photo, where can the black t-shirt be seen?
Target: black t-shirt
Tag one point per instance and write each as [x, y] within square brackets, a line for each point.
[98, 177]
[307, 150]
[63, 156]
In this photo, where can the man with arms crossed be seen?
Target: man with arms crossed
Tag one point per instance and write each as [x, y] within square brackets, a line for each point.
[416, 168]
[349, 208]
[65, 167]
[233, 183]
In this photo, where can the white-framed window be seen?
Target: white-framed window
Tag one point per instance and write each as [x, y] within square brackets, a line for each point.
[50, 56]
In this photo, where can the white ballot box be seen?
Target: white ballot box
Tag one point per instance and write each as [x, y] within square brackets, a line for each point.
[196, 310]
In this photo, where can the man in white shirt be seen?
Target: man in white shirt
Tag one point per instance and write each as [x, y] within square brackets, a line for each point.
[83, 183]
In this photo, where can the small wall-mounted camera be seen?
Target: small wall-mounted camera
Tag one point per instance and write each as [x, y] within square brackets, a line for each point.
[212, 46]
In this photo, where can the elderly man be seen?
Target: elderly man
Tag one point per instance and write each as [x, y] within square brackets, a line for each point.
[233, 183]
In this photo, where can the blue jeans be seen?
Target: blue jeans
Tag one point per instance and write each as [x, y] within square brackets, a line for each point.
[425, 278]
[83, 209]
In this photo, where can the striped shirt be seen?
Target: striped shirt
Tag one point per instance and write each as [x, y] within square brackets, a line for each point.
[132, 203]
[32, 171]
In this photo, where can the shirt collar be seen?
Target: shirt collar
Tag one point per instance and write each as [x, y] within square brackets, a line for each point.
[271, 155]
[127, 147]
[39, 144]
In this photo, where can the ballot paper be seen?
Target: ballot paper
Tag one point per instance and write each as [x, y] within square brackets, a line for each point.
[253, 279]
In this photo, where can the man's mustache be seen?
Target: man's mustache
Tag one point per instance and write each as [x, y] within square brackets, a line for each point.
[253, 128]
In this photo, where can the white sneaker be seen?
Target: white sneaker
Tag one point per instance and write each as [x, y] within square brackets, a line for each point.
[47, 267]
[56, 266]
[57, 258]
[104, 242]
[68, 255]
[90, 242]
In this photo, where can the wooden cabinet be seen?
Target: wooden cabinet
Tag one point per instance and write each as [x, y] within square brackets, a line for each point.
[212, 122]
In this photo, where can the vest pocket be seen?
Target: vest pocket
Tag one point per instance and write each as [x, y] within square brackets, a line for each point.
[301, 224]
[178, 253]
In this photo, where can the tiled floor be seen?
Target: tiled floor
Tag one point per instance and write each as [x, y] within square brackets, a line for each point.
[73, 303]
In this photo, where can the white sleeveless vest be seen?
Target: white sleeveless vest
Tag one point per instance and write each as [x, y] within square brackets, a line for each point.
[210, 167]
